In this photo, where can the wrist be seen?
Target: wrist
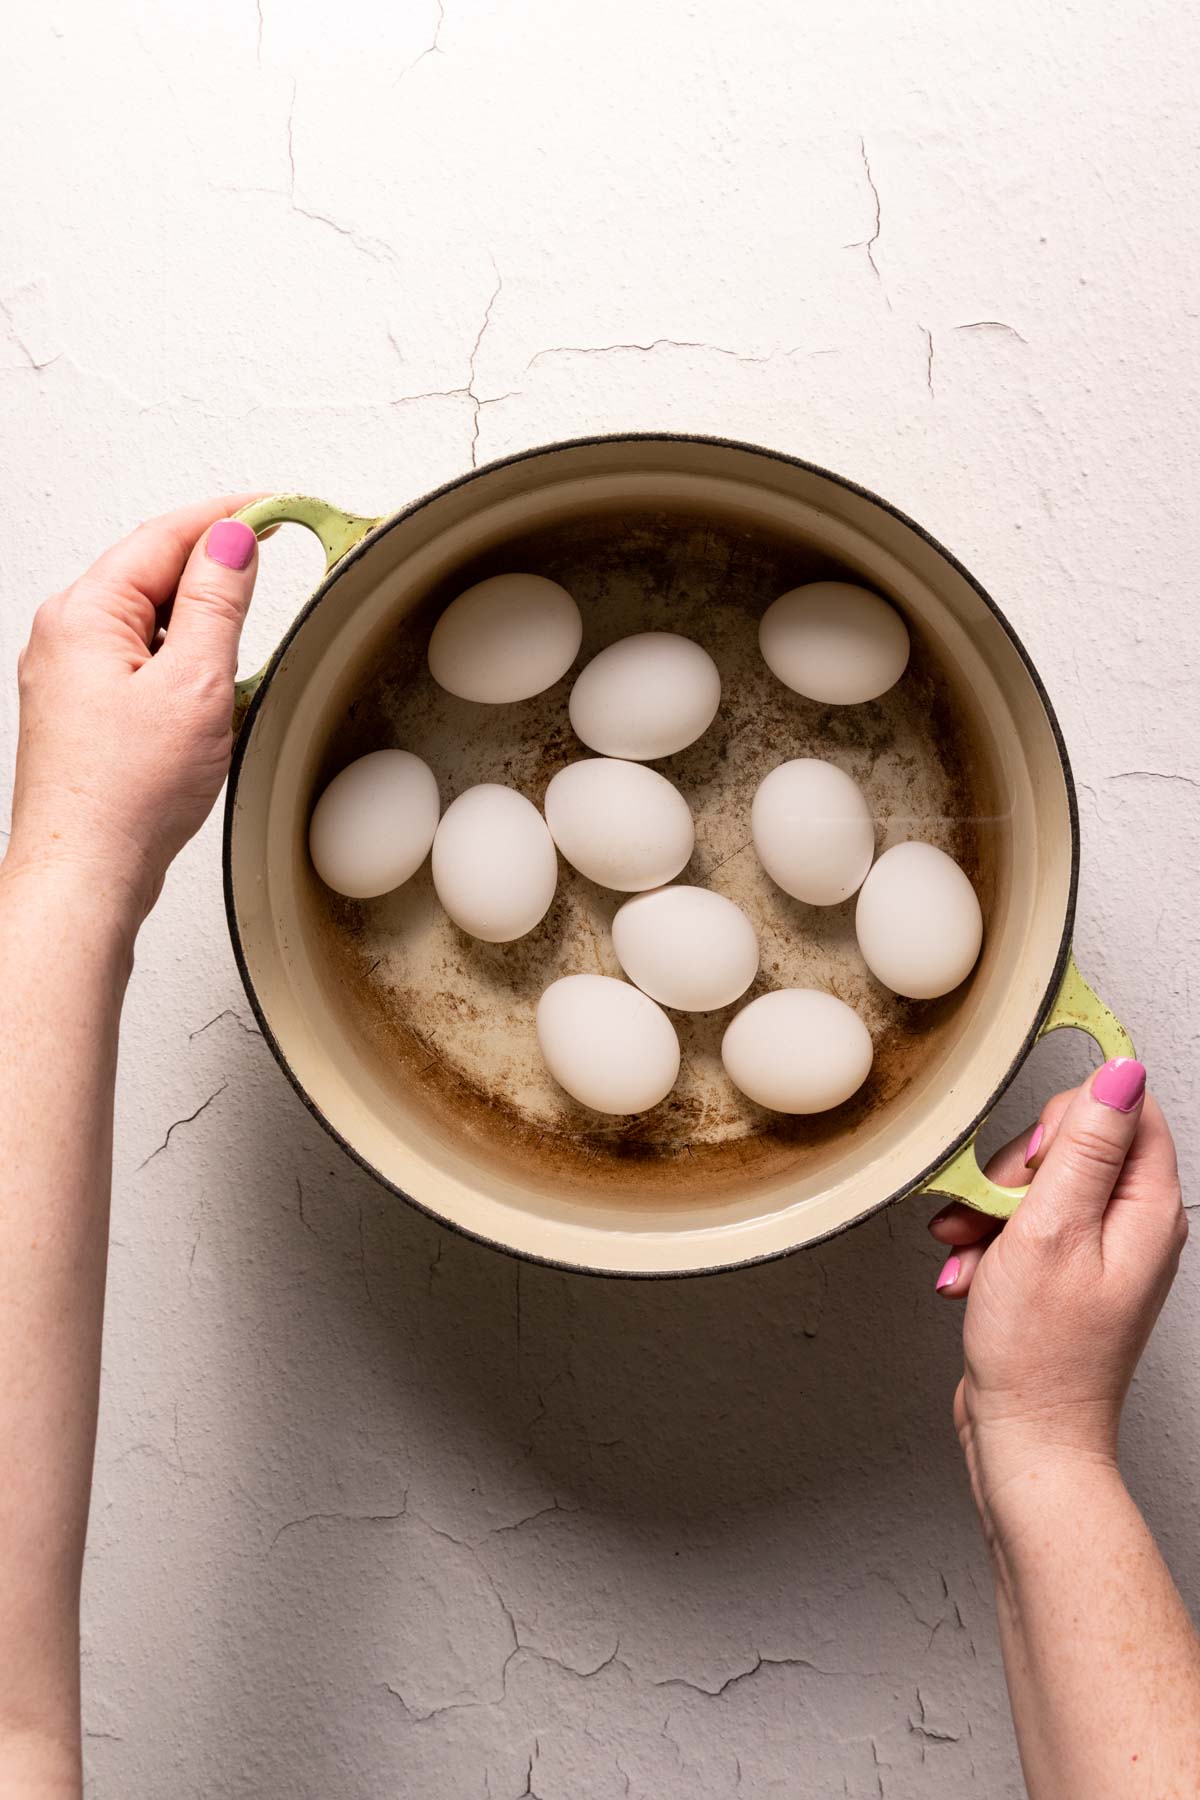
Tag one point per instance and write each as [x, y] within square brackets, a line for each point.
[102, 911]
[1019, 1472]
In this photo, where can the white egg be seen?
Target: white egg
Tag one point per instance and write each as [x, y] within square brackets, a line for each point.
[834, 642]
[919, 921]
[686, 947]
[797, 1050]
[646, 696]
[619, 823]
[813, 831]
[505, 639]
[607, 1044]
[494, 865]
[372, 827]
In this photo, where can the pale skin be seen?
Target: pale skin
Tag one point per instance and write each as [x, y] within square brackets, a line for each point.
[124, 745]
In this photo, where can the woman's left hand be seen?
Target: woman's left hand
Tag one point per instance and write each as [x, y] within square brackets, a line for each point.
[126, 691]
[1062, 1300]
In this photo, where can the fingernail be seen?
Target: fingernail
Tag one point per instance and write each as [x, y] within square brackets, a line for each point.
[232, 543]
[1120, 1083]
[944, 1214]
[1034, 1144]
[949, 1274]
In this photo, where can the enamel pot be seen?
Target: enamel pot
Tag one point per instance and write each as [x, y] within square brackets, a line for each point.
[414, 1045]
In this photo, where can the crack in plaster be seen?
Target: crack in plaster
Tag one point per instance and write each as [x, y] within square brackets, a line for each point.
[529, 1792]
[22, 346]
[992, 325]
[519, 1648]
[300, 1207]
[1153, 775]
[177, 1123]
[258, 41]
[476, 402]
[362, 1263]
[659, 343]
[367, 246]
[759, 1663]
[923, 1729]
[519, 1524]
[928, 358]
[868, 243]
[226, 1013]
[466, 392]
[344, 1518]
[433, 48]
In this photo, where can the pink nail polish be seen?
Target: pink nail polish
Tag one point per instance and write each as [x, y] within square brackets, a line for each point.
[949, 1274]
[1034, 1144]
[231, 543]
[1120, 1083]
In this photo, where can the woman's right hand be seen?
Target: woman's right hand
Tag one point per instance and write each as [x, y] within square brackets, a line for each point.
[1061, 1300]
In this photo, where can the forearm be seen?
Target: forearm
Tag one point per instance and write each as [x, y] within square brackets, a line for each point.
[65, 955]
[1103, 1663]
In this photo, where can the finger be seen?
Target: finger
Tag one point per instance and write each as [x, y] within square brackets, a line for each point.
[1046, 1130]
[143, 570]
[1008, 1167]
[1079, 1171]
[956, 1274]
[1148, 1189]
[958, 1224]
[211, 600]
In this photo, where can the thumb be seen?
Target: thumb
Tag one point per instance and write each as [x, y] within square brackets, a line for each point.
[1079, 1171]
[212, 598]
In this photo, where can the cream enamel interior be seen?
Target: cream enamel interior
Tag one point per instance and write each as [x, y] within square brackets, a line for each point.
[618, 1227]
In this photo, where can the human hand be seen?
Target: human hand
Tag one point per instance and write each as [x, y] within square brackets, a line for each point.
[126, 689]
[1061, 1301]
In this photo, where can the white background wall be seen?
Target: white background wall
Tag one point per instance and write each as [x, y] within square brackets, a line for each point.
[378, 1513]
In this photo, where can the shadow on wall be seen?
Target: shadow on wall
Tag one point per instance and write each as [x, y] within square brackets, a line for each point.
[456, 1459]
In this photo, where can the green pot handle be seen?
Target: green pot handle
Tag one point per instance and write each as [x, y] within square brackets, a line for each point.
[338, 532]
[1076, 1005]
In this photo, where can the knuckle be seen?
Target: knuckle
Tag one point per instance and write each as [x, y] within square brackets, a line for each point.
[1090, 1150]
[45, 631]
[1049, 1226]
[218, 600]
[205, 685]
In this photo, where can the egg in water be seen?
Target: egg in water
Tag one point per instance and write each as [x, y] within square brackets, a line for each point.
[813, 831]
[686, 947]
[373, 825]
[505, 639]
[619, 823]
[494, 866]
[609, 1046]
[919, 922]
[797, 1050]
[834, 642]
[646, 696]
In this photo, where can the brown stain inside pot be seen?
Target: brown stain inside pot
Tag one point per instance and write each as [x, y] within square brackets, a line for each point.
[439, 1014]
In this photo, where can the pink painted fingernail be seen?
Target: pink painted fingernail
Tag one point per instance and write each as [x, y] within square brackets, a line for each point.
[1034, 1144]
[232, 543]
[949, 1274]
[1120, 1083]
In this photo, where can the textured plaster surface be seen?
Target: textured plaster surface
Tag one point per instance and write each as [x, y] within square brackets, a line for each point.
[377, 1512]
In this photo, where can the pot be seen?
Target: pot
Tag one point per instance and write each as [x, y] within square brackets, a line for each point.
[414, 1045]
